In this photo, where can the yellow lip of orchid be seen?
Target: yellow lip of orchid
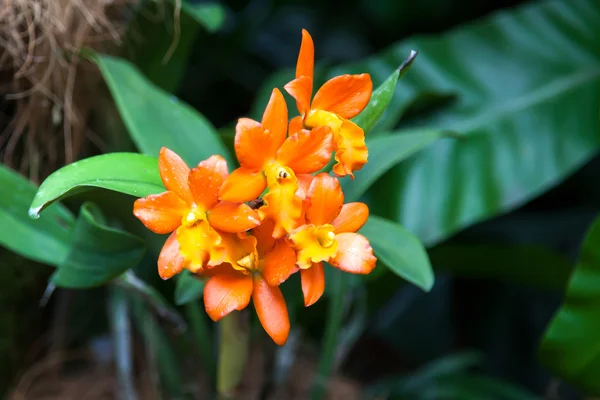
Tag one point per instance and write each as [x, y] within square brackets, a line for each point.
[314, 244]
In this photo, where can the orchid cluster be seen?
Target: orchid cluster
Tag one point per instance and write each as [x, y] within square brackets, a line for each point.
[249, 231]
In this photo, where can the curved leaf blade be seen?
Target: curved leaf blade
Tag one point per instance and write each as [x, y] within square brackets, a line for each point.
[570, 345]
[210, 15]
[45, 240]
[400, 251]
[188, 288]
[156, 118]
[130, 173]
[98, 253]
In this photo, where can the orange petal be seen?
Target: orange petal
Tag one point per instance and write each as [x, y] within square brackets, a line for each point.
[243, 185]
[355, 254]
[225, 293]
[301, 90]
[306, 57]
[174, 174]
[275, 120]
[296, 124]
[161, 213]
[233, 217]
[264, 237]
[282, 204]
[271, 310]
[206, 180]
[352, 151]
[345, 95]
[253, 145]
[313, 244]
[307, 151]
[200, 245]
[325, 199]
[279, 263]
[313, 283]
[170, 261]
[352, 217]
[304, 181]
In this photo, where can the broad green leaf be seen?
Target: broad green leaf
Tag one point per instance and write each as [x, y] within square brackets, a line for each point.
[45, 240]
[188, 288]
[158, 119]
[400, 251]
[98, 253]
[210, 15]
[130, 173]
[382, 96]
[570, 345]
[382, 157]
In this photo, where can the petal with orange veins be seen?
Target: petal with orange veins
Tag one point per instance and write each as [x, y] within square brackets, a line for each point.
[313, 244]
[225, 293]
[253, 145]
[279, 263]
[264, 237]
[301, 90]
[295, 125]
[352, 217]
[282, 204]
[344, 95]
[352, 153]
[275, 121]
[206, 180]
[307, 151]
[355, 254]
[313, 283]
[200, 245]
[243, 185]
[233, 217]
[271, 310]
[174, 174]
[325, 198]
[170, 261]
[161, 213]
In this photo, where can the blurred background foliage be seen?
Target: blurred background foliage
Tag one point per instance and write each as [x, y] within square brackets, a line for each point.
[502, 195]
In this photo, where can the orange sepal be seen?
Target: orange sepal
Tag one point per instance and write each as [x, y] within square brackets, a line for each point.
[344, 95]
[174, 174]
[243, 185]
[301, 90]
[306, 56]
[313, 283]
[161, 213]
[325, 199]
[253, 145]
[170, 261]
[274, 121]
[233, 217]
[206, 180]
[227, 292]
[304, 181]
[355, 254]
[307, 151]
[352, 153]
[271, 310]
[351, 218]
[279, 263]
[295, 125]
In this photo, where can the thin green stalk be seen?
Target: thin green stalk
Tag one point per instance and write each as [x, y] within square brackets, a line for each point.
[202, 336]
[233, 353]
[121, 332]
[335, 314]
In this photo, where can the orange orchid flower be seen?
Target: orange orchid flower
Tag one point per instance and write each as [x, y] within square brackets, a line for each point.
[257, 265]
[329, 236]
[191, 210]
[335, 103]
[268, 158]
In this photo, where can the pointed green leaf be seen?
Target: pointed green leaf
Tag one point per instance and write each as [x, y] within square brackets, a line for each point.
[570, 345]
[400, 251]
[45, 240]
[188, 288]
[156, 118]
[129, 173]
[210, 15]
[98, 253]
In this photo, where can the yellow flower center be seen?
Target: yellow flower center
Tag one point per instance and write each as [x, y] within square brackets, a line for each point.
[325, 237]
[193, 216]
[316, 118]
[314, 244]
[248, 262]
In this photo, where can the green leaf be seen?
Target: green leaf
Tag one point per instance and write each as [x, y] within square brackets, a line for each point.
[98, 253]
[45, 240]
[129, 173]
[156, 118]
[381, 97]
[188, 288]
[381, 159]
[400, 251]
[570, 345]
[210, 15]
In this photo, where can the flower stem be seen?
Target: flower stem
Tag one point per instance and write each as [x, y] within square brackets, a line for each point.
[233, 353]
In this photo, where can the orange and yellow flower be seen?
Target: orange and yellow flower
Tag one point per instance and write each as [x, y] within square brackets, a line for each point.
[191, 210]
[329, 236]
[335, 103]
